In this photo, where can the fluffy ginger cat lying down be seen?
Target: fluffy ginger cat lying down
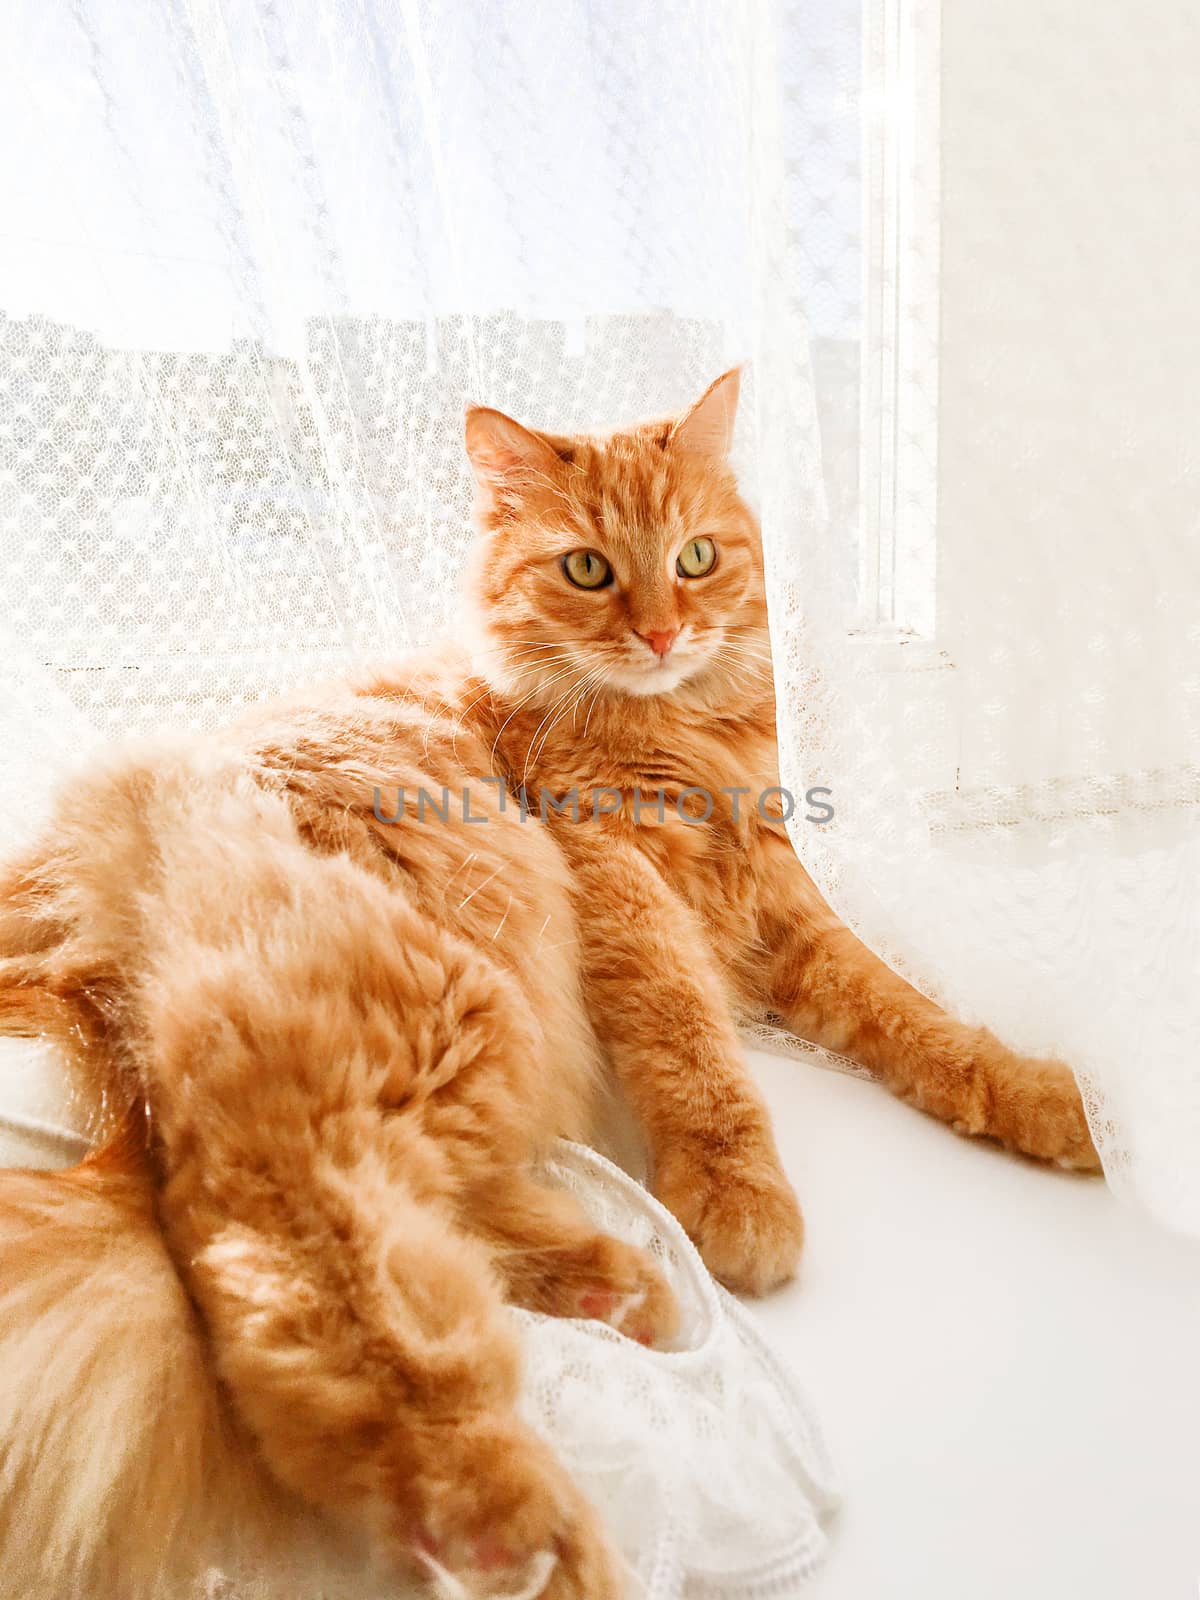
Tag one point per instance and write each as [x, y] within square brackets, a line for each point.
[333, 1045]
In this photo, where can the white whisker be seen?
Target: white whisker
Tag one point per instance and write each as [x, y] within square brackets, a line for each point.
[483, 885]
[503, 919]
[587, 722]
[539, 1568]
[465, 862]
[519, 704]
[448, 1586]
[561, 700]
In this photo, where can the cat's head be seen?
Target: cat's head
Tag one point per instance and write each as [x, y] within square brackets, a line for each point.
[628, 561]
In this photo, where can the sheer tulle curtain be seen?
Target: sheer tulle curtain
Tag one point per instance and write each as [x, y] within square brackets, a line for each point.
[1020, 805]
[257, 256]
[256, 259]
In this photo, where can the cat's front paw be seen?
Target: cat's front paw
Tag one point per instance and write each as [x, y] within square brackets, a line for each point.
[743, 1218]
[1034, 1106]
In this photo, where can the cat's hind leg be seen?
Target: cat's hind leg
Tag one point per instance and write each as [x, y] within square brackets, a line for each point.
[299, 1020]
[378, 1370]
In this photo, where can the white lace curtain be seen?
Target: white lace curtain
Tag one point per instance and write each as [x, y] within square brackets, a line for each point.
[256, 257]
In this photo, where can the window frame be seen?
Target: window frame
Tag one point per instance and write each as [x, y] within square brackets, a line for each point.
[897, 533]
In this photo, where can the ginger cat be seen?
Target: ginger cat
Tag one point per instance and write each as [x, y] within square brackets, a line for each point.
[333, 1035]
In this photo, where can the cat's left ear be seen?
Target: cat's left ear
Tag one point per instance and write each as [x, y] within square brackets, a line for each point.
[706, 428]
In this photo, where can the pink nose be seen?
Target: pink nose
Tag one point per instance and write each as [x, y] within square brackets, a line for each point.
[660, 640]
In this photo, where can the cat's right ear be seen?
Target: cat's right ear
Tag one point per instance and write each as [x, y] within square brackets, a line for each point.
[505, 457]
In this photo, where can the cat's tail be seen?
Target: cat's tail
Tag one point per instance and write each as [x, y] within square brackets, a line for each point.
[28, 1008]
[118, 1457]
[118, 1460]
[124, 1471]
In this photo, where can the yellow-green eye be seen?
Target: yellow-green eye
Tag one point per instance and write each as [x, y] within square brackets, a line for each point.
[697, 557]
[587, 569]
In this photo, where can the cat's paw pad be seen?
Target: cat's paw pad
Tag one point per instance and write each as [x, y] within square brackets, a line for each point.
[486, 1569]
[607, 1280]
[748, 1230]
[648, 1315]
[502, 1518]
[633, 1297]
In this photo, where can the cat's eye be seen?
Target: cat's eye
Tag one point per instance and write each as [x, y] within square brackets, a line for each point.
[697, 557]
[587, 569]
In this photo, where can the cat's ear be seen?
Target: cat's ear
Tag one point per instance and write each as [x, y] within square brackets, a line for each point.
[504, 455]
[706, 428]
